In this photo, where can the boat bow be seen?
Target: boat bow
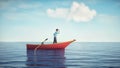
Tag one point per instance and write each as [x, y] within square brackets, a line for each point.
[61, 45]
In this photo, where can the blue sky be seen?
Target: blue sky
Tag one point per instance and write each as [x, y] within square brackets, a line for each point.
[83, 20]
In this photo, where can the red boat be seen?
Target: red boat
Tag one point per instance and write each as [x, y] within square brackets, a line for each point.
[61, 45]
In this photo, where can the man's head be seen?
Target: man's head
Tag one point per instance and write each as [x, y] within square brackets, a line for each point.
[57, 29]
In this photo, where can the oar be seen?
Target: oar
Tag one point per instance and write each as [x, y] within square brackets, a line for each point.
[39, 46]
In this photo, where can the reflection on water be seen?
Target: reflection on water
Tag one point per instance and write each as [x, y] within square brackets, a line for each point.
[46, 58]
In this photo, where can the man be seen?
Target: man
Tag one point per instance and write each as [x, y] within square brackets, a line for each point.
[55, 36]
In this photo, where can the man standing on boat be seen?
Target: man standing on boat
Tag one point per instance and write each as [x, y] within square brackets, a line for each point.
[55, 35]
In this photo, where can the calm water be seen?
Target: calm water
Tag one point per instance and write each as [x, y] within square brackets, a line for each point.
[76, 55]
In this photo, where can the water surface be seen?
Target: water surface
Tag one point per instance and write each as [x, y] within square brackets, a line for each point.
[76, 55]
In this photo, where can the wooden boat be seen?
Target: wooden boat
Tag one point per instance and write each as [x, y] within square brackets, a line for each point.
[61, 45]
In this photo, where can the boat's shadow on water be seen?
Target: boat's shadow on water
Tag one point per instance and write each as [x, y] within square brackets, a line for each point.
[46, 58]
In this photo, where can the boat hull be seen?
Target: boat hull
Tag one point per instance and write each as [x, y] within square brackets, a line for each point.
[61, 45]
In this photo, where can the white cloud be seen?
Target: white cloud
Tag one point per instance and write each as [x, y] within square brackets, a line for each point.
[78, 12]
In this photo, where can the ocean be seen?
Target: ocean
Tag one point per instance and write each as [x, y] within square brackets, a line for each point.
[76, 55]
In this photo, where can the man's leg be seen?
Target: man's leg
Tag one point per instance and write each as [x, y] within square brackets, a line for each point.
[55, 40]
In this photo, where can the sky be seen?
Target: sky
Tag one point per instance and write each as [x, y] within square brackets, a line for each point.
[83, 20]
